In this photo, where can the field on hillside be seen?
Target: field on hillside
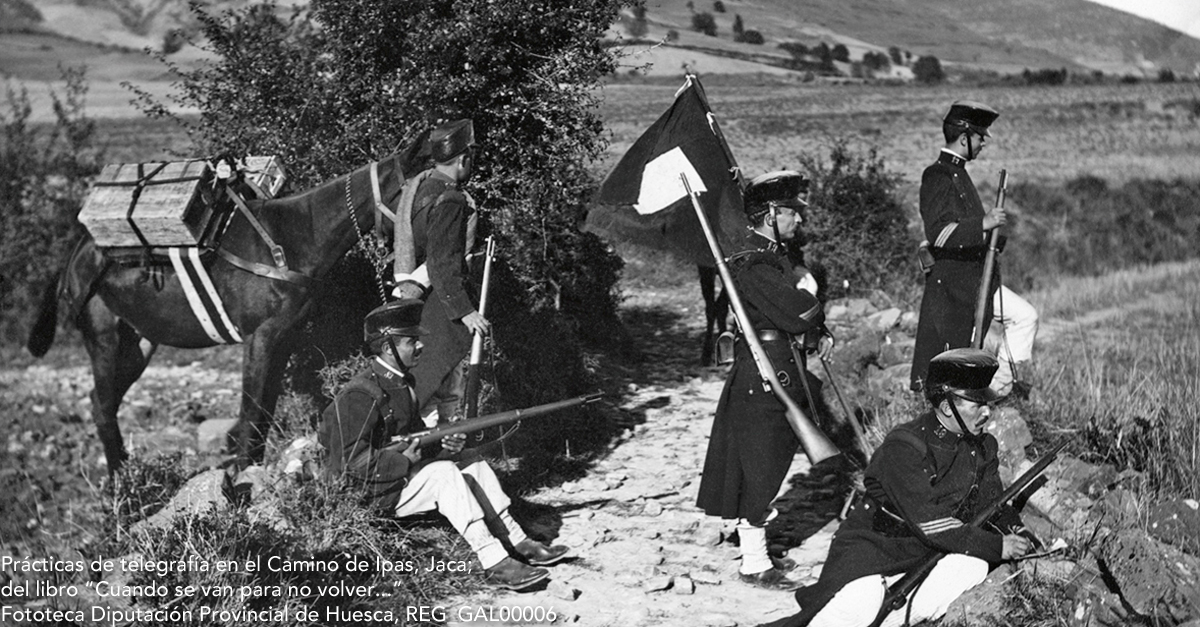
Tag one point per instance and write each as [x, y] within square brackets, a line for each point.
[1048, 134]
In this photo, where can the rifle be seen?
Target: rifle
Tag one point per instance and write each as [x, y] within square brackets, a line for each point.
[816, 445]
[989, 263]
[471, 392]
[898, 592]
[472, 425]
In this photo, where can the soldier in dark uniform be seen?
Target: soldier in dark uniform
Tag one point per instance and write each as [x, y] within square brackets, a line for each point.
[431, 264]
[362, 432]
[957, 227]
[927, 478]
[752, 444]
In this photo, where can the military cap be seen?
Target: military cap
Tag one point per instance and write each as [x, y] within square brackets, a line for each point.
[451, 139]
[964, 372]
[783, 188]
[971, 115]
[398, 317]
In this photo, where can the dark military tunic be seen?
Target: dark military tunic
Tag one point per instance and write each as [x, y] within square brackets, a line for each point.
[439, 223]
[357, 428]
[752, 444]
[953, 217]
[923, 485]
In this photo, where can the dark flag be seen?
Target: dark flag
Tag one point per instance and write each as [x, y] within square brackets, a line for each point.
[642, 200]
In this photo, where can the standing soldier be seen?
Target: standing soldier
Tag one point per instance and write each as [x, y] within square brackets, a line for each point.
[957, 227]
[431, 263]
[752, 444]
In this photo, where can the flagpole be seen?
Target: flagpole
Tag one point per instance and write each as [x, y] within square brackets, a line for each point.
[816, 446]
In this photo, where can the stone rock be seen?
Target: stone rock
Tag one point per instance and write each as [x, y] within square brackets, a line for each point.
[886, 382]
[252, 483]
[657, 583]
[684, 585]
[205, 491]
[836, 312]
[883, 320]
[212, 434]
[859, 307]
[652, 508]
[1176, 522]
[895, 351]
[1155, 579]
[983, 604]
[1013, 435]
[562, 590]
[853, 356]
[908, 323]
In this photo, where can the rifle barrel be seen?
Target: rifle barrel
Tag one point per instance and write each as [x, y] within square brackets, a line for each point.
[491, 420]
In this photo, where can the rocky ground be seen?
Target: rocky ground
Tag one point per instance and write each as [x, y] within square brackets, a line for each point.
[643, 555]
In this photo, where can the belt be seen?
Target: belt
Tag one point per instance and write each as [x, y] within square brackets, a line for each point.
[960, 254]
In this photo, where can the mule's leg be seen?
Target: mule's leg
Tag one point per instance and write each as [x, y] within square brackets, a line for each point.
[119, 355]
[263, 361]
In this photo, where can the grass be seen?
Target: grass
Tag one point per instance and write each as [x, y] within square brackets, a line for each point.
[1124, 378]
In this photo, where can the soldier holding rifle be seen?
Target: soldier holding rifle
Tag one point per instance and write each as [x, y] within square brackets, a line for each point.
[928, 478]
[957, 228]
[434, 229]
[362, 432]
[752, 443]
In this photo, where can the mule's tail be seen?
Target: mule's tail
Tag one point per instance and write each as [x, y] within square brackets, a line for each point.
[42, 334]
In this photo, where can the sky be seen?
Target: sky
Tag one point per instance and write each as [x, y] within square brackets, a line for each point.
[1182, 15]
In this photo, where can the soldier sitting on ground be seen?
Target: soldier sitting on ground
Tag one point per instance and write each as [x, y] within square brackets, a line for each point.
[927, 478]
[363, 430]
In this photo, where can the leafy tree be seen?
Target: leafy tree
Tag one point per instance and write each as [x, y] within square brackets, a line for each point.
[362, 77]
[840, 53]
[875, 61]
[738, 27]
[718, 6]
[1166, 75]
[894, 53]
[929, 70]
[753, 37]
[704, 23]
[44, 174]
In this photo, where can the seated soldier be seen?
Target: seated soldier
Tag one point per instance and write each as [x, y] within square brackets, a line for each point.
[927, 478]
[360, 431]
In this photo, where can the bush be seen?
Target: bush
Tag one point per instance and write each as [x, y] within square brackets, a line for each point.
[44, 174]
[704, 23]
[752, 37]
[363, 77]
[875, 61]
[1166, 75]
[856, 229]
[840, 53]
[928, 70]
[897, 58]
[718, 6]
[1045, 77]
[739, 28]
[672, 35]
[173, 41]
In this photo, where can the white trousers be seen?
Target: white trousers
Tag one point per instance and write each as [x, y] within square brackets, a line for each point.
[1020, 322]
[857, 603]
[441, 486]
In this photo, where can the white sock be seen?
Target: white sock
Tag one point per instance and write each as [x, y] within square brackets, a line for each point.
[516, 534]
[753, 548]
[487, 548]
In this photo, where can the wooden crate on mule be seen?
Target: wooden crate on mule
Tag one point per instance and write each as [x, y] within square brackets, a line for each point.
[165, 204]
[160, 201]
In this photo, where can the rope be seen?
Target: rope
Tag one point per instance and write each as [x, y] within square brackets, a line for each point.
[363, 237]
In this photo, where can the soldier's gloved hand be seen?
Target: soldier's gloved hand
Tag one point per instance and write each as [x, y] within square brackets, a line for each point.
[1014, 546]
[454, 443]
[477, 323]
[994, 218]
[808, 283]
[825, 344]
